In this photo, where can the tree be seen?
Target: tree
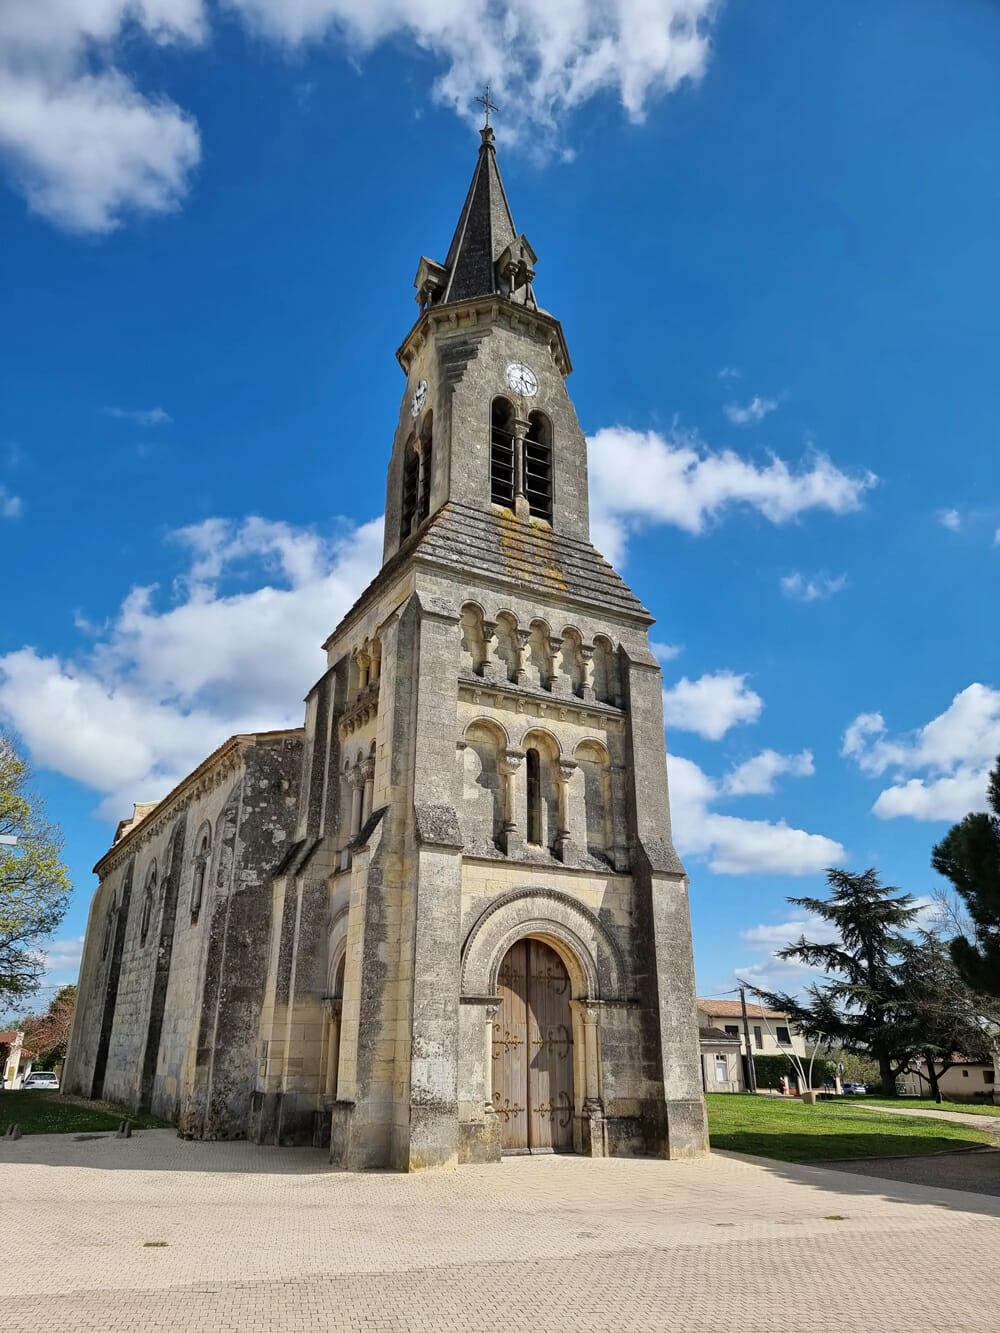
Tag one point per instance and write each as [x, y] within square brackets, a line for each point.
[48, 1036]
[860, 1005]
[946, 1017]
[969, 855]
[34, 884]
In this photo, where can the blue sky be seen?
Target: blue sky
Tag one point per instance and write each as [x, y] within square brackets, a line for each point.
[770, 232]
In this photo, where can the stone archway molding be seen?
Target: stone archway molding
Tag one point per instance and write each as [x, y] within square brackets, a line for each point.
[571, 928]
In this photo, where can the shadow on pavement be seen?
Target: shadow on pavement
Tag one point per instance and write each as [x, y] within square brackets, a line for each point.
[910, 1180]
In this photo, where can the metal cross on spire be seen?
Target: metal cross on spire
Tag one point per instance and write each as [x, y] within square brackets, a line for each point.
[488, 105]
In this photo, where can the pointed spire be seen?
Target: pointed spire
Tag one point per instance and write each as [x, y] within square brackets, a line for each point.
[485, 229]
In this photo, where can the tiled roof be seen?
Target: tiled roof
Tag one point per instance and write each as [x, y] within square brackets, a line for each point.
[716, 1034]
[732, 1009]
[496, 543]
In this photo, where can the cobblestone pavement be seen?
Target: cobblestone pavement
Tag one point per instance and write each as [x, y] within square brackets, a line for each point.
[273, 1239]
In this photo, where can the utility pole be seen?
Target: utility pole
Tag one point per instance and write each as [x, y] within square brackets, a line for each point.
[751, 1072]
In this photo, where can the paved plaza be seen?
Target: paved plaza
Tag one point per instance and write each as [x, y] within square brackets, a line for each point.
[273, 1239]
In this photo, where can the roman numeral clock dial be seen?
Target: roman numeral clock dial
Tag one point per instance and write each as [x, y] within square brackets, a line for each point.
[522, 379]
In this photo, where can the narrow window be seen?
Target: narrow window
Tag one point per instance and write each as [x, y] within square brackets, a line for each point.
[425, 462]
[758, 1038]
[411, 486]
[538, 466]
[533, 770]
[721, 1069]
[147, 906]
[200, 870]
[502, 453]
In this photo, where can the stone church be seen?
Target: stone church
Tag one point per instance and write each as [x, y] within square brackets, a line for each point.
[444, 919]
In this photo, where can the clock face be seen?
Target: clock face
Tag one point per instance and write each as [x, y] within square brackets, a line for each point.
[419, 398]
[522, 379]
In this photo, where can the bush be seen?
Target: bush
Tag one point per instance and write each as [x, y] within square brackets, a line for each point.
[771, 1069]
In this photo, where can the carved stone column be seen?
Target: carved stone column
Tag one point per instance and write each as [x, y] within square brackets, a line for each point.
[333, 1006]
[563, 847]
[593, 1128]
[367, 767]
[364, 666]
[356, 779]
[587, 692]
[521, 507]
[511, 837]
[559, 682]
[523, 642]
[492, 669]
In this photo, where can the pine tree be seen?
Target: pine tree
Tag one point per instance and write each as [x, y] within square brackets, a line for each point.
[969, 855]
[861, 1005]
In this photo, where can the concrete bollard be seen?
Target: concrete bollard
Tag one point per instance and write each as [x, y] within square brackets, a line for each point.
[13, 1132]
[124, 1130]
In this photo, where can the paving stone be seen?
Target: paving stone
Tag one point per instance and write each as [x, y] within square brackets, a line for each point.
[274, 1239]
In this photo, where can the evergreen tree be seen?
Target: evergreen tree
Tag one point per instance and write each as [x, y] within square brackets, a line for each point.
[969, 855]
[861, 1005]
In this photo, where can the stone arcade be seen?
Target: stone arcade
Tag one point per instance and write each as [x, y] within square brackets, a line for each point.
[444, 919]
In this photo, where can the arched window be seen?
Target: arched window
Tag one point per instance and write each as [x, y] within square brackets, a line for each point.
[147, 904]
[426, 463]
[538, 466]
[411, 487]
[502, 453]
[533, 775]
[201, 856]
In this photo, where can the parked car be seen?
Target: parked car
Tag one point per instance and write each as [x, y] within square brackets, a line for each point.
[857, 1089]
[41, 1078]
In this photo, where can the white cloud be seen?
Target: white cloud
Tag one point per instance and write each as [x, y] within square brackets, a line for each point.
[164, 685]
[153, 416]
[939, 770]
[10, 505]
[756, 776]
[87, 147]
[812, 588]
[996, 537]
[728, 373]
[84, 145]
[711, 705]
[950, 519]
[755, 410]
[734, 846]
[565, 53]
[63, 955]
[640, 477]
[666, 652]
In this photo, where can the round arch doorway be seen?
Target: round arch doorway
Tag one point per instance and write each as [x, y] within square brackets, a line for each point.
[533, 1051]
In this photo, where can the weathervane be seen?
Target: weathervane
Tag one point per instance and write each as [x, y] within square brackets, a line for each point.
[488, 105]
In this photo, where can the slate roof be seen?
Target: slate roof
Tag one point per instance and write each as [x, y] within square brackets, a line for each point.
[485, 229]
[497, 545]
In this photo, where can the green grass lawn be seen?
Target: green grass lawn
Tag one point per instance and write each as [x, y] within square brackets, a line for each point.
[793, 1132]
[39, 1112]
[929, 1104]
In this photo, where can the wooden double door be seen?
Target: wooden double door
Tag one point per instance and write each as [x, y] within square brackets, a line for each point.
[533, 1051]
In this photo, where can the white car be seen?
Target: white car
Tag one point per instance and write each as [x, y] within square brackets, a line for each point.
[858, 1089]
[42, 1078]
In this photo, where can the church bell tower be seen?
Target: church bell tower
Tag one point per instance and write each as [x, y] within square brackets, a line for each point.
[483, 940]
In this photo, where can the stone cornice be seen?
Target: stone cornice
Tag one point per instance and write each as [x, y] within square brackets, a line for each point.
[207, 776]
[539, 703]
[456, 316]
